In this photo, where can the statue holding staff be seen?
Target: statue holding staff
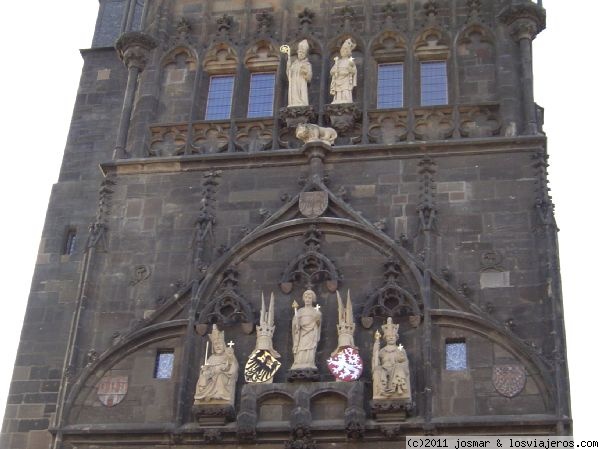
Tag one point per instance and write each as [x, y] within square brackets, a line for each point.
[299, 73]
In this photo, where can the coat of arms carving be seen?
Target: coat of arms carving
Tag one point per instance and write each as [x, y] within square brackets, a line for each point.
[509, 380]
[313, 204]
[112, 390]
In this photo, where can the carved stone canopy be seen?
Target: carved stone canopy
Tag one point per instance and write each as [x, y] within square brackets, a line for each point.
[526, 19]
[311, 267]
[228, 307]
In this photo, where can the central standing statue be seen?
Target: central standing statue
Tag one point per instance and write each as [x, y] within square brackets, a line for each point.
[343, 74]
[299, 74]
[306, 332]
[391, 375]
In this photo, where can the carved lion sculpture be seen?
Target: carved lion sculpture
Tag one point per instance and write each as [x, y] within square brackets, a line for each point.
[308, 132]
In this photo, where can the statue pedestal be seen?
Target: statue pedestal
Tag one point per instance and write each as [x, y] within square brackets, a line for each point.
[213, 414]
[388, 410]
[295, 115]
[303, 375]
[345, 119]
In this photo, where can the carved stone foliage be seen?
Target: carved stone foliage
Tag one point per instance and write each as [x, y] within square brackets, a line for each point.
[479, 121]
[220, 59]
[262, 56]
[264, 22]
[228, 306]
[305, 19]
[167, 140]
[525, 19]
[427, 208]
[134, 48]
[203, 242]
[391, 299]
[254, 136]
[543, 203]
[97, 229]
[210, 137]
[225, 25]
[294, 115]
[389, 46]
[345, 119]
[387, 128]
[434, 124]
[311, 267]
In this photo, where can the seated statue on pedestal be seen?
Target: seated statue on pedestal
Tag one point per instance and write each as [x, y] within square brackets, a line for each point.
[219, 373]
[391, 374]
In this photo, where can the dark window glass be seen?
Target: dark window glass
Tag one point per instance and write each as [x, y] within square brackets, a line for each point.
[163, 368]
[390, 86]
[456, 355]
[434, 83]
[220, 92]
[70, 237]
[262, 89]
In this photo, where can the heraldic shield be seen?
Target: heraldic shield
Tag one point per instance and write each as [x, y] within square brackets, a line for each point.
[112, 390]
[346, 365]
[261, 366]
[313, 204]
[509, 380]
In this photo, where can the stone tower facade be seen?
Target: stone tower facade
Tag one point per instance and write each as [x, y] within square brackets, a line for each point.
[377, 260]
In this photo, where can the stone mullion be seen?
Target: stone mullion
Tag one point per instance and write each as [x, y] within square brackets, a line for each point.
[130, 14]
[237, 91]
[279, 83]
[455, 93]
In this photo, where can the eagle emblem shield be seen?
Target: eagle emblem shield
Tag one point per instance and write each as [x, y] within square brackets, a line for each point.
[509, 380]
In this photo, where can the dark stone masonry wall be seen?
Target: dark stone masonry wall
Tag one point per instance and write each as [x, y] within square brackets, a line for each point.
[448, 202]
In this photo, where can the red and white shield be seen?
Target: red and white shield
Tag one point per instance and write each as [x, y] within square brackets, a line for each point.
[346, 364]
[112, 390]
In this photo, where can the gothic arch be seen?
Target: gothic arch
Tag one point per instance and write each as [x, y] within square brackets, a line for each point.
[262, 56]
[131, 344]
[432, 44]
[178, 74]
[388, 46]
[537, 369]
[476, 50]
[221, 58]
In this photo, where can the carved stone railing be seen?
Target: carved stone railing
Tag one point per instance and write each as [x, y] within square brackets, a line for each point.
[383, 127]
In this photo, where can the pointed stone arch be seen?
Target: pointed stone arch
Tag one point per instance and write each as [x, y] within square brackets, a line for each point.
[432, 44]
[178, 73]
[220, 59]
[476, 52]
[388, 46]
[262, 56]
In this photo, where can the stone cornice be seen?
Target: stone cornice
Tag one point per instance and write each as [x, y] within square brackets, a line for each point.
[338, 154]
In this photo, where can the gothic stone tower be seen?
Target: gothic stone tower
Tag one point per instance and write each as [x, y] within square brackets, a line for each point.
[423, 192]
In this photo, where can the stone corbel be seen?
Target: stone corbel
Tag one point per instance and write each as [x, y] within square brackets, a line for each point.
[344, 118]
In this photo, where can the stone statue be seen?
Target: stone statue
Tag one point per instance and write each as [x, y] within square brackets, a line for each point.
[299, 74]
[262, 363]
[307, 132]
[306, 332]
[391, 375]
[218, 375]
[343, 74]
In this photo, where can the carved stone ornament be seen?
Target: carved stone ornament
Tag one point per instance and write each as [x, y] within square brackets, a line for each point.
[134, 48]
[112, 390]
[343, 117]
[479, 122]
[434, 125]
[140, 274]
[167, 140]
[255, 136]
[262, 56]
[308, 132]
[227, 307]
[388, 128]
[294, 115]
[220, 59]
[311, 267]
[210, 138]
[525, 19]
[391, 299]
[509, 380]
[313, 204]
